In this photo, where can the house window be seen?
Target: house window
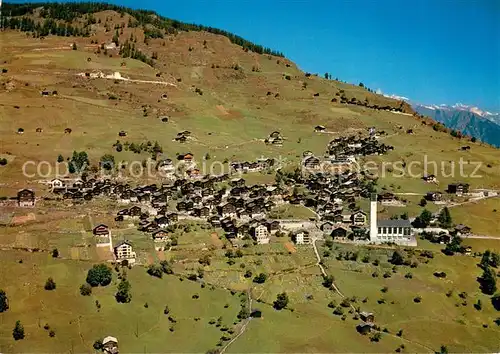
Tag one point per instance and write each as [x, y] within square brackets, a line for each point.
[384, 230]
[400, 231]
[407, 231]
[380, 230]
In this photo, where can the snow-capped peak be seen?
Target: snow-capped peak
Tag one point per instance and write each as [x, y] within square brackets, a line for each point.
[473, 109]
[462, 107]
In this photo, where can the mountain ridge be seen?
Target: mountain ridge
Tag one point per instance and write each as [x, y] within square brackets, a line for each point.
[466, 119]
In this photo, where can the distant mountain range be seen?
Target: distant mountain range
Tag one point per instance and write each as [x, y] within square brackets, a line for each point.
[472, 121]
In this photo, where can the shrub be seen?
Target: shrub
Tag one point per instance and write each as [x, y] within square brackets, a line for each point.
[345, 303]
[50, 284]
[478, 305]
[338, 311]
[260, 279]
[281, 301]
[155, 270]
[85, 290]
[166, 267]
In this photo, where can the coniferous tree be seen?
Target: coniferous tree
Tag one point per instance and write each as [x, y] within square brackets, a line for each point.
[18, 18]
[123, 294]
[4, 301]
[488, 282]
[485, 259]
[116, 38]
[18, 332]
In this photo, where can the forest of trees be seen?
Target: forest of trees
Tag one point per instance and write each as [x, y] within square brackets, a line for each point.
[15, 17]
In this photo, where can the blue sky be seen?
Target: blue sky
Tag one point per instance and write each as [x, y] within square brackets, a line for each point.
[432, 51]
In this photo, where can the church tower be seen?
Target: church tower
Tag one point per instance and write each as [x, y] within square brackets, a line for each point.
[373, 217]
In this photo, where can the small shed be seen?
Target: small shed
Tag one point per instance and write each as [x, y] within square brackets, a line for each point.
[110, 345]
[367, 316]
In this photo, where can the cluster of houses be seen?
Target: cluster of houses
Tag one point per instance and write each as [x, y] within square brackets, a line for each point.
[343, 149]
[246, 166]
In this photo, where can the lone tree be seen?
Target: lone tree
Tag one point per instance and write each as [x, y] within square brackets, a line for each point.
[18, 331]
[50, 284]
[60, 158]
[74, 47]
[281, 301]
[4, 301]
[55, 253]
[99, 274]
[397, 258]
[488, 282]
[123, 294]
[444, 218]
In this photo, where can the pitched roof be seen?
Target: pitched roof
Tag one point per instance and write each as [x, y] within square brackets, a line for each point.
[393, 223]
[121, 243]
[109, 339]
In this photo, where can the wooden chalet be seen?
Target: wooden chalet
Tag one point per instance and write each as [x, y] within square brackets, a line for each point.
[26, 198]
[458, 188]
[101, 230]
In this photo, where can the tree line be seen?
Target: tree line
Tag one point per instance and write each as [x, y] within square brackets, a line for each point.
[68, 12]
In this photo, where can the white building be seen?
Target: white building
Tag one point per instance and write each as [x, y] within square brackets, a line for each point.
[261, 234]
[301, 238]
[399, 232]
[123, 251]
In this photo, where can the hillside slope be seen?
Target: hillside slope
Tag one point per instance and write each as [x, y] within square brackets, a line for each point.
[229, 97]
